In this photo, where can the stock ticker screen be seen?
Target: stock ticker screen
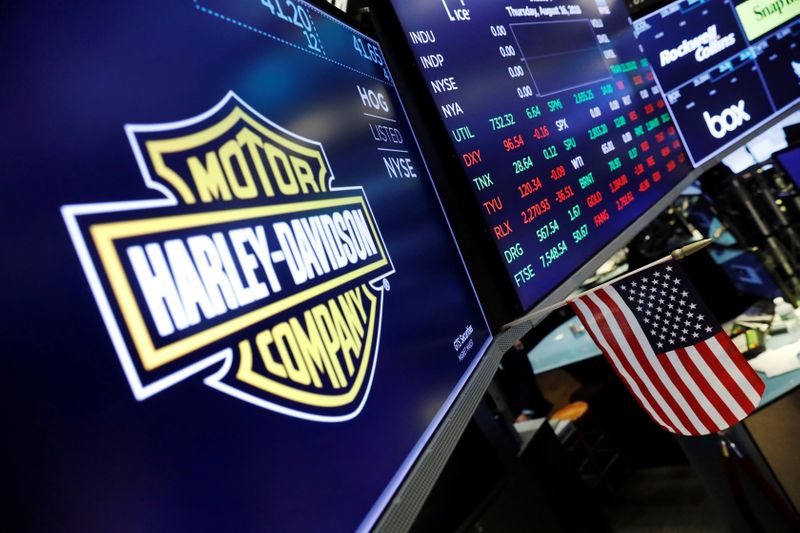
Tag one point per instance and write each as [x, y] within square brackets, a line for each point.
[237, 302]
[558, 122]
[725, 67]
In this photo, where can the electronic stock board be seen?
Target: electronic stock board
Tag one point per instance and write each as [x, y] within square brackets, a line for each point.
[557, 121]
[233, 300]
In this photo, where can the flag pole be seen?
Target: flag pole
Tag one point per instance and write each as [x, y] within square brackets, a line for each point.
[678, 254]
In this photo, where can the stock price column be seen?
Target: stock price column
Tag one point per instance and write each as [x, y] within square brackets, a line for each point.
[557, 120]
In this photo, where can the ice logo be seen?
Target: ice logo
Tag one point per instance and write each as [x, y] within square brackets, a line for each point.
[727, 121]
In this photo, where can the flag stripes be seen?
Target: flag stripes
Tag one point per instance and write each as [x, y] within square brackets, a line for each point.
[697, 389]
[644, 352]
[635, 378]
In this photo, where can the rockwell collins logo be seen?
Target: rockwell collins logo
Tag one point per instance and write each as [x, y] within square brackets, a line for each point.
[253, 270]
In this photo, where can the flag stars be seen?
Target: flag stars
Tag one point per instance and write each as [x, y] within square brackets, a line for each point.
[666, 309]
[668, 268]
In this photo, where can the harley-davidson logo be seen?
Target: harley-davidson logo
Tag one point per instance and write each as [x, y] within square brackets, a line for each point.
[253, 269]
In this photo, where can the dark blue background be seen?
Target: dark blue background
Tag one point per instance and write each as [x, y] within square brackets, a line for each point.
[715, 94]
[81, 454]
[776, 54]
[790, 161]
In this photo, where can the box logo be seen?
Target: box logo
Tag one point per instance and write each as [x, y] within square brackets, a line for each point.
[253, 269]
[729, 120]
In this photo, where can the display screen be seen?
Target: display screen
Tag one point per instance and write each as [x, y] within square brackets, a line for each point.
[557, 121]
[234, 302]
[725, 68]
[789, 160]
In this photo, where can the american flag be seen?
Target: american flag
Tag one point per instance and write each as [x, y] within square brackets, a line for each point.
[671, 353]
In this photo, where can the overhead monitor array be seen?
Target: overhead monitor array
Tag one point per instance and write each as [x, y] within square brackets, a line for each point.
[725, 67]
